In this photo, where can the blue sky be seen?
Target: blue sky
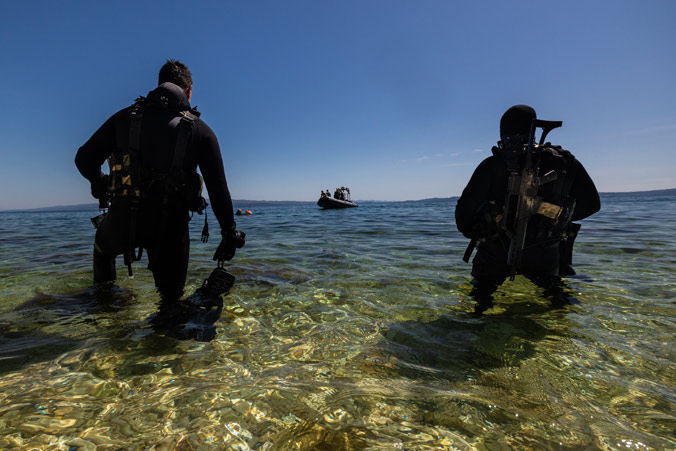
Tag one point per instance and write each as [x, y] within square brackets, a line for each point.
[395, 99]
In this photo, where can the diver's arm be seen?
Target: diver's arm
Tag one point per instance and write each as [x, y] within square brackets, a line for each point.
[474, 196]
[211, 167]
[587, 200]
[96, 150]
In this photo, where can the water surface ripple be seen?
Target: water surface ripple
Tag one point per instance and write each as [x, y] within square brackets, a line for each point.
[345, 330]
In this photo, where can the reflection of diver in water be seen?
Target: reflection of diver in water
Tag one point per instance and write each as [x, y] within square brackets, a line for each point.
[196, 315]
[554, 289]
[51, 324]
[185, 320]
[455, 346]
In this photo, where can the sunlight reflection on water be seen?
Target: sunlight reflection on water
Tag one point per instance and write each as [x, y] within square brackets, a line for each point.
[345, 329]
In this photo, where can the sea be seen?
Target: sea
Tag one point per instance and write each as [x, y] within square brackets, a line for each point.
[345, 329]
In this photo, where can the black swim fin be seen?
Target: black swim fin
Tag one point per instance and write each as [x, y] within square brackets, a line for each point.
[218, 283]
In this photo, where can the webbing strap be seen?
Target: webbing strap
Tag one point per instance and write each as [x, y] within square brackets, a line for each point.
[571, 173]
[469, 250]
[136, 117]
[182, 137]
[566, 174]
[129, 254]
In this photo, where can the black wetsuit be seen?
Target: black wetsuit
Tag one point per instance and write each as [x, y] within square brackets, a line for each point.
[162, 224]
[541, 255]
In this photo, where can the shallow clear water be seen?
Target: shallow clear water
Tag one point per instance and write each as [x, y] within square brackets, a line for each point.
[345, 330]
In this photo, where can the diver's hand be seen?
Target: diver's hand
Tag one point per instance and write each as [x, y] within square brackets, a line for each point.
[99, 187]
[486, 222]
[229, 244]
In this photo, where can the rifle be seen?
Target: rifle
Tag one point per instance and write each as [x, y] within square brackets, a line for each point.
[523, 201]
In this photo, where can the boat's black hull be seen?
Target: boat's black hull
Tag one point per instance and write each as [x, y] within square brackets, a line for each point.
[329, 203]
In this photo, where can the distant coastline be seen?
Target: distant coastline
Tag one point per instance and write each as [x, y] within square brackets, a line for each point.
[244, 203]
[655, 192]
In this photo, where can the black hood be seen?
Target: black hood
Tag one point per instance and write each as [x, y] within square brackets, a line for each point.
[172, 94]
[517, 119]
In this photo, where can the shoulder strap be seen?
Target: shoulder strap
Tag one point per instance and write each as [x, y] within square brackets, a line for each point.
[563, 164]
[136, 117]
[185, 126]
[571, 172]
[570, 167]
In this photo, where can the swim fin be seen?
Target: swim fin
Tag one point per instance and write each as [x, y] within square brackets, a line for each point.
[218, 283]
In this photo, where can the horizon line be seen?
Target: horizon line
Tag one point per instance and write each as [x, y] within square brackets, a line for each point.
[88, 205]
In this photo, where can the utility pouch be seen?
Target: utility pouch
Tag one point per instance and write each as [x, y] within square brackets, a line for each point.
[566, 250]
[549, 210]
[120, 179]
[97, 220]
[193, 193]
[197, 204]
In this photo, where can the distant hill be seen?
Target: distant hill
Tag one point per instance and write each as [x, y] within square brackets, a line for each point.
[244, 203]
[65, 208]
[434, 199]
[236, 203]
[653, 193]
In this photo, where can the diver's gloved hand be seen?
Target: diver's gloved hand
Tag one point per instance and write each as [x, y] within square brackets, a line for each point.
[229, 244]
[99, 187]
[486, 222]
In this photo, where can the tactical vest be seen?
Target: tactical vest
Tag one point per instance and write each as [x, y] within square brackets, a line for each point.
[130, 178]
[556, 192]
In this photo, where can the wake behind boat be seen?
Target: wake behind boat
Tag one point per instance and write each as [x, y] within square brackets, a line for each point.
[340, 199]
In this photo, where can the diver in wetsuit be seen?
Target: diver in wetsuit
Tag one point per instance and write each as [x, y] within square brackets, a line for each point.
[154, 148]
[548, 247]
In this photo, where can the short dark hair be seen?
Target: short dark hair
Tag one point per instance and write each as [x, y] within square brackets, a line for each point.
[175, 72]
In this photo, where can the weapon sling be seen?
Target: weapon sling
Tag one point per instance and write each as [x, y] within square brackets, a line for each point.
[136, 118]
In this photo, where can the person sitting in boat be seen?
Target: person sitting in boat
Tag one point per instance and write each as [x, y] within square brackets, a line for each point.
[323, 194]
